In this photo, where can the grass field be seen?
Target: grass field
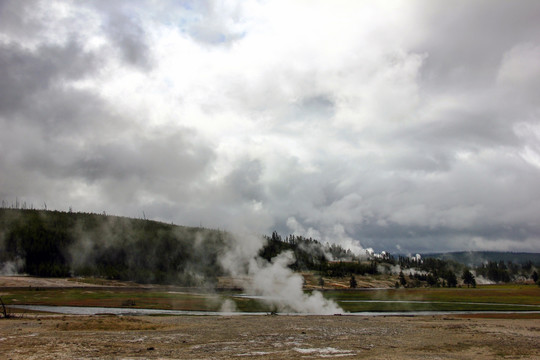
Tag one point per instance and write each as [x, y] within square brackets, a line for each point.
[482, 298]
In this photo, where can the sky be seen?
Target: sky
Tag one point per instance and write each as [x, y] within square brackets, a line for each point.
[404, 126]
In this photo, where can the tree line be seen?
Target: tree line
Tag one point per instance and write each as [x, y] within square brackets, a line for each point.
[62, 244]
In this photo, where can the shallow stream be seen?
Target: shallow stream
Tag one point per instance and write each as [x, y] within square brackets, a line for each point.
[79, 310]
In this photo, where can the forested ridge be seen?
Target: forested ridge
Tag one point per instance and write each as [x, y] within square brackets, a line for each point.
[54, 243]
[62, 244]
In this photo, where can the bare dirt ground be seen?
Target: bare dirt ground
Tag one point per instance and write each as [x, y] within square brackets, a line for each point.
[23, 281]
[41, 336]
[27, 281]
[34, 336]
[311, 282]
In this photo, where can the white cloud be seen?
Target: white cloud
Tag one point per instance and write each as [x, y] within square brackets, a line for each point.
[520, 65]
[363, 123]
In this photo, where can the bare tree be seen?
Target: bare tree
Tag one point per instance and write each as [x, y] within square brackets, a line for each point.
[4, 309]
[352, 282]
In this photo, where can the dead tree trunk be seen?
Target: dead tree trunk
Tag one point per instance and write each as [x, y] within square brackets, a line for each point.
[3, 308]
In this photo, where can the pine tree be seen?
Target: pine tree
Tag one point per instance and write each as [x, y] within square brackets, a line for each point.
[402, 280]
[468, 278]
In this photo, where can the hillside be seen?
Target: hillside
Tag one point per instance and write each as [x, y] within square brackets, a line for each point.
[61, 244]
[477, 258]
[54, 244]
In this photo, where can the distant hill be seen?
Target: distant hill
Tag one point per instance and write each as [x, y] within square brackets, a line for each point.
[60, 244]
[477, 258]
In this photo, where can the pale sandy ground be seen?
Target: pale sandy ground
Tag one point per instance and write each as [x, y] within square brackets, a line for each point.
[24, 281]
[382, 281]
[27, 281]
[267, 337]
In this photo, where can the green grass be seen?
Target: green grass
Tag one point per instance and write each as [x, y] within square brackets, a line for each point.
[110, 298]
[402, 307]
[483, 298]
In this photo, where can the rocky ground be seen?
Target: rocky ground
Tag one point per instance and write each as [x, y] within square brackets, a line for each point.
[37, 336]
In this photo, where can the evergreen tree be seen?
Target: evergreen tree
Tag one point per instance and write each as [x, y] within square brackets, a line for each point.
[468, 278]
[451, 279]
[402, 280]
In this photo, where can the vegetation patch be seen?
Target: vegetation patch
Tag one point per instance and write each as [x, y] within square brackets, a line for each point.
[459, 299]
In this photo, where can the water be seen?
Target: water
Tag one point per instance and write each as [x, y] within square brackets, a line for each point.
[436, 302]
[90, 310]
[79, 310]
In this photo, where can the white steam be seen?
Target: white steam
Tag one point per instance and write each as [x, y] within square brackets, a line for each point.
[282, 288]
[273, 281]
[335, 234]
[396, 269]
[340, 237]
[10, 268]
[228, 306]
[480, 280]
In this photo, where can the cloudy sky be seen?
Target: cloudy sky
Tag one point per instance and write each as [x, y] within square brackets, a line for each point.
[403, 126]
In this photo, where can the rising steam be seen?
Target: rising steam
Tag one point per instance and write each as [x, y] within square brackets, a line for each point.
[273, 282]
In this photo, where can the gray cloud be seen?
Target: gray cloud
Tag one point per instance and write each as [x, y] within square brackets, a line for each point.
[465, 40]
[128, 35]
[16, 18]
[244, 181]
[427, 139]
[24, 73]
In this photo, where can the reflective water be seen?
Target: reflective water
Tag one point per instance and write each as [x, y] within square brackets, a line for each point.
[88, 310]
[437, 302]
[76, 310]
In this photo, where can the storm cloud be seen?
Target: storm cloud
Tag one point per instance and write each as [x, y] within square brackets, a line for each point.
[403, 126]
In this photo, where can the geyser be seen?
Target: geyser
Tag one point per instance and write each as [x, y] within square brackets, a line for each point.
[273, 282]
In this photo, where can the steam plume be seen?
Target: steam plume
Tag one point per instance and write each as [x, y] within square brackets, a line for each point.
[273, 281]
